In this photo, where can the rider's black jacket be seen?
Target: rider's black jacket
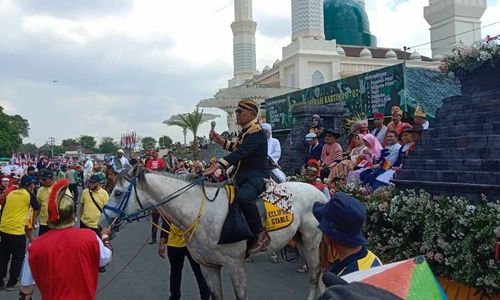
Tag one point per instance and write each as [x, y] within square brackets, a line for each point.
[248, 153]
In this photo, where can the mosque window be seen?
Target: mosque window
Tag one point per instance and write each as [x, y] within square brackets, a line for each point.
[317, 78]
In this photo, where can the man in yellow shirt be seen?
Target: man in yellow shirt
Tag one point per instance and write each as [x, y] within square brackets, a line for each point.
[12, 238]
[93, 200]
[46, 177]
[176, 252]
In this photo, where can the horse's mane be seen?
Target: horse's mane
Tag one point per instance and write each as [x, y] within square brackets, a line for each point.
[185, 177]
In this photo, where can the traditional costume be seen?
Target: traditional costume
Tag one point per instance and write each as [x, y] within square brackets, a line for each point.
[64, 262]
[399, 126]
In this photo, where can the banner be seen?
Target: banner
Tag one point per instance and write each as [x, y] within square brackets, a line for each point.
[375, 91]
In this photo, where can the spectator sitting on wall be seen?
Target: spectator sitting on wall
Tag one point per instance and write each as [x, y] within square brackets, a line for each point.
[331, 153]
[380, 129]
[396, 124]
[314, 149]
[419, 118]
[316, 126]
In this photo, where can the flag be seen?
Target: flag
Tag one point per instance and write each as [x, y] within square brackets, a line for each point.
[386, 165]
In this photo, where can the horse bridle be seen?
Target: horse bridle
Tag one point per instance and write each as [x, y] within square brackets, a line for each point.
[145, 211]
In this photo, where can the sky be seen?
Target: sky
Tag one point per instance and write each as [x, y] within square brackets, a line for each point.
[106, 67]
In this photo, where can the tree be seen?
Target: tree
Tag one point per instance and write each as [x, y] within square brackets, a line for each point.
[28, 148]
[192, 122]
[108, 145]
[69, 144]
[165, 142]
[148, 143]
[12, 131]
[175, 121]
[87, 142]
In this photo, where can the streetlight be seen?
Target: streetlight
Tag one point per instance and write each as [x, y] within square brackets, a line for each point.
[52, 141]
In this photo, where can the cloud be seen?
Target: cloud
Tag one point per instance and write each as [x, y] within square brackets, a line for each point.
[65, 9]
[109, 67]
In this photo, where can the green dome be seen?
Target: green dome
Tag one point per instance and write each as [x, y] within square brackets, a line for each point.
[347, 22]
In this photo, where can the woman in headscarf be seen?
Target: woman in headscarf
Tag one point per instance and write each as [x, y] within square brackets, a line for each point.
[371, 153]
[387, 159]
[348, 163]
[274, 152]
[404, 152]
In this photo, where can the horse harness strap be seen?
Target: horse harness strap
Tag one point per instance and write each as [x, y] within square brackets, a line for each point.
[191, 229]
[144, 212]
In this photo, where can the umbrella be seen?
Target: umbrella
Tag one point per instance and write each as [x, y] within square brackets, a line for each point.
[409, 279]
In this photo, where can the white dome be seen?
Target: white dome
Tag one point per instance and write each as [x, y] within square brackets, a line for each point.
[365, 53]
[391, 54]
[415, 55]
[276, 63]
[266, 68]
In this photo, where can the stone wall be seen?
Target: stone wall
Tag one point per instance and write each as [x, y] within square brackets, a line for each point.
[460, 153]
[293, 150]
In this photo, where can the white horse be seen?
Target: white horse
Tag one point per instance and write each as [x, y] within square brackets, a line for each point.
[138, 190]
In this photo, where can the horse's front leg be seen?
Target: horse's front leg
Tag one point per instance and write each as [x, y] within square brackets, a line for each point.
[236, 270]
[213, 278]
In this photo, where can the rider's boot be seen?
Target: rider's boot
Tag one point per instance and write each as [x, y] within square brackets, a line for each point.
[260, 243]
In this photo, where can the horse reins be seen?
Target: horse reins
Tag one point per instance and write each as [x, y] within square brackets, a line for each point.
[144, 212]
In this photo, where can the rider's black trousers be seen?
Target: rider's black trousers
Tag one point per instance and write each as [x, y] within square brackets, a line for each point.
[246, 197]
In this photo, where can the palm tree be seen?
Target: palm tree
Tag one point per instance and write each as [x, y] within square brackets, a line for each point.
[191, 121]
[175, 121]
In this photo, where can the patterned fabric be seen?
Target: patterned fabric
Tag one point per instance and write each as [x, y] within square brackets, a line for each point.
[277, 195]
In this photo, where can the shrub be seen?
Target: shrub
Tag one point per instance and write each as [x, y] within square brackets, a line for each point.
[456, 235]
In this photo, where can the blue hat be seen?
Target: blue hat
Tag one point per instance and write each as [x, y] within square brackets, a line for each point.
[95, 178]
[27, 179]
[341, 219]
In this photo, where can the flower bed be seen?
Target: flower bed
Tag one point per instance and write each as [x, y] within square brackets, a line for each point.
[463, 59]
[456, 235]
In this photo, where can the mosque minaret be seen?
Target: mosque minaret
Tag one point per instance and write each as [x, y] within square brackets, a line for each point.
[331, 40]
[243, 29]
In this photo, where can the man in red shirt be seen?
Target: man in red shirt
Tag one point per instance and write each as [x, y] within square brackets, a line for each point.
[64, 262]
[156, 163]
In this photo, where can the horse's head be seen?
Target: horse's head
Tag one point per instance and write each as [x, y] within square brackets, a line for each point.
[126, 201]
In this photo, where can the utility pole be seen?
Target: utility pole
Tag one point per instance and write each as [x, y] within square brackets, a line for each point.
[404, 49]
[52, 141]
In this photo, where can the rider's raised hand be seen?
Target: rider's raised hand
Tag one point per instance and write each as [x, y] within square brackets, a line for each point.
[214, 136]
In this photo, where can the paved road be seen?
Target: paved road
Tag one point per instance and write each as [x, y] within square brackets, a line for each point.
[147, 276]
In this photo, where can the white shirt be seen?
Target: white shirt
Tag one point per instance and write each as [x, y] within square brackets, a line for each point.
[27, 278]
[381, 134]
[274, 149]
[425, 126]
[125, 164]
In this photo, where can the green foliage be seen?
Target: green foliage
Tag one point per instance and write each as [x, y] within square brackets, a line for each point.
[107, 145]
[69, 144]
[12, 131]
[456, 235]
[192, 122]
[28, 148]
[87, 141]
[165, 142]
[148, 143]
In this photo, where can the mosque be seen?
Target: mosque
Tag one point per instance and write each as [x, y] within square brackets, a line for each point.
[331, 40]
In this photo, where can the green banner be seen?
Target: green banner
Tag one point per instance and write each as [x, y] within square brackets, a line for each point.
[375, 91]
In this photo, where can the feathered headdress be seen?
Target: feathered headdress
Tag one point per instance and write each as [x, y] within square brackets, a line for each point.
[356, 123]
[53, 209]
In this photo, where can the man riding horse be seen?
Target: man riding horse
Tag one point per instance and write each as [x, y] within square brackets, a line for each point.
[249, 156]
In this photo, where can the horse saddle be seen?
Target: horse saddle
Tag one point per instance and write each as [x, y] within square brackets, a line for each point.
[276, 208]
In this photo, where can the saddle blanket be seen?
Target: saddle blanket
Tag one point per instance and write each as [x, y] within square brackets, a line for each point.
[277, 204]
